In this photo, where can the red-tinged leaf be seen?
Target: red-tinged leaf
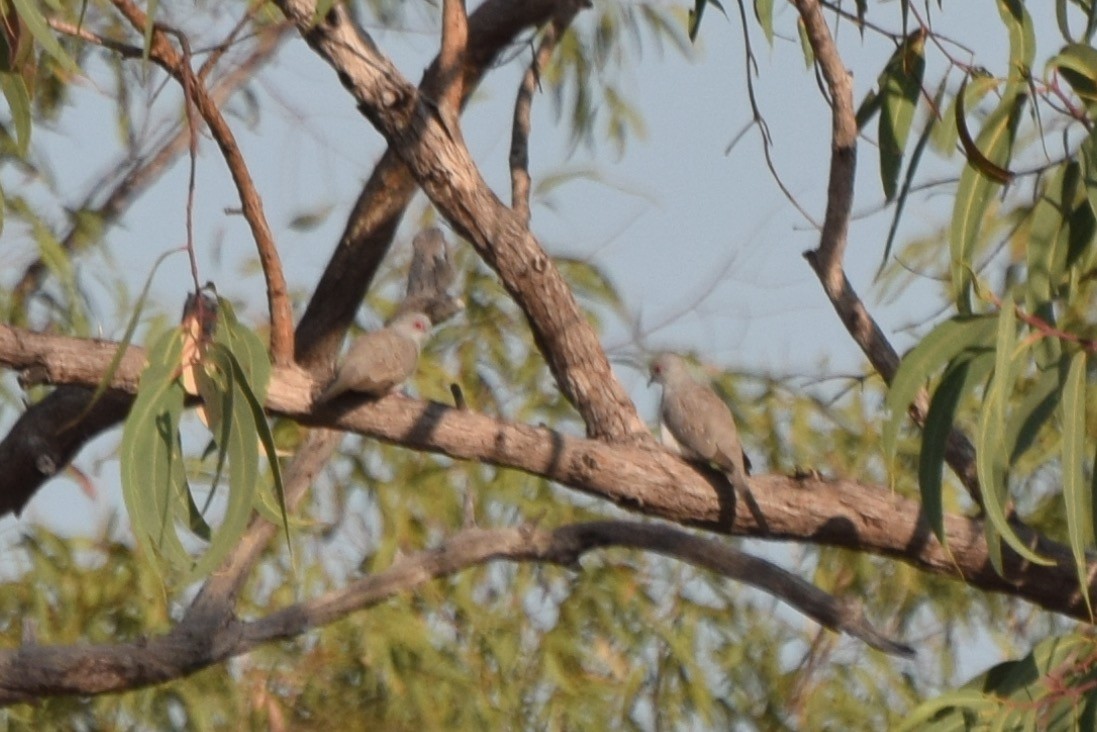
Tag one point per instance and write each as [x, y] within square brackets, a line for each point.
[977, 182]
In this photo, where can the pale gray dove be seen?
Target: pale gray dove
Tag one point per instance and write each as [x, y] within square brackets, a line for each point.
[430, 276]
[431, 271]
[381, 360]
[698, 419]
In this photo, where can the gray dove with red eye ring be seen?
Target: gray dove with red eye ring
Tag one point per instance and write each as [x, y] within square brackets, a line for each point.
[381, 360]
[698, 419]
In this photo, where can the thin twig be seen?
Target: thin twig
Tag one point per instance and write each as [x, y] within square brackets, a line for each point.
[519, 141]
[281, 314]
[827, 259]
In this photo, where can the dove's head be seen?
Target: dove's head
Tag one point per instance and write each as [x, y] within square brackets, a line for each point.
[412, 325]
[667, 367]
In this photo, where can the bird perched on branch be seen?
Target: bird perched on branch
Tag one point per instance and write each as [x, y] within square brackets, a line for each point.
[698, 419]
[381, 360]
[430, 276]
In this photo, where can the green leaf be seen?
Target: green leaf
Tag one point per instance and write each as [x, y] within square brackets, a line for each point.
[1022, 39]
[149, 442]
[869, 108]
[805, 43]
[127, 337]
[940, 346]
[247, 347]
[243, 461]
[763, 11]
[959, 380]
[266, 438]
[1087, 156]
[978, 181]
[991, 452]
[698, 11]
[900, 86]
[1036, 408]
[215, 388]
[908, 179]
[1077, 493]
[30, 14]
[1051, 231]
[15, 92]
[1077, 63]
[927, 712]
[945, 134]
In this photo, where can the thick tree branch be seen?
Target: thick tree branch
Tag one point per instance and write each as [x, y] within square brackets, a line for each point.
[827, 260]
[32, 672]
[642, 478]
[455, 38]
[444, 169]
[278, 303]
[376, 214]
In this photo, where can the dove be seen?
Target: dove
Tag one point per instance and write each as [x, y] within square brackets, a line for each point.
[381, 360]
[432, 270]
[698, 419]
[430, 276]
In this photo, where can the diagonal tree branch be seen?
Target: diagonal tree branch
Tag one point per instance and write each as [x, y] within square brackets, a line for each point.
[372, 223]
[827, 259]
[32, 672]
[443, 167]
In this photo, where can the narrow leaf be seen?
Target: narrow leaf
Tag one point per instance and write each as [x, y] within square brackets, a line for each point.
[1022, 38]
[763, 11]
[960, 380]
[1034, 410]
[243, 464]
[148, 440]
[991, 450]
[1077, 493]
[900, 86]
[30, 14]
[15, 92]
[266, 438]
[908, 179]
[976, 187]
[940, 346]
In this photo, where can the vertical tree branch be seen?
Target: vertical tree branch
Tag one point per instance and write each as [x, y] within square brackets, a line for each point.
[372, 223]
[281, 313]
[827, 259]
[455, 37]
[519, 140]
